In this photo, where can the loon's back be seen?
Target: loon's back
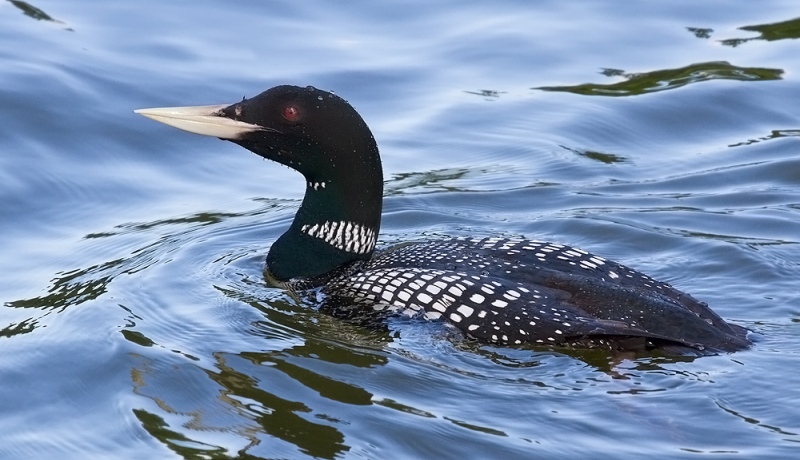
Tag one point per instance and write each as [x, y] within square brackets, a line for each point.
[514, 291]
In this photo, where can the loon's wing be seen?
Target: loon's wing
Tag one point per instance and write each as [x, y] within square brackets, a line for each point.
[501, 291]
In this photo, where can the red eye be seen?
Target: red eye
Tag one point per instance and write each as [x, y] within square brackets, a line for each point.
[291, 113]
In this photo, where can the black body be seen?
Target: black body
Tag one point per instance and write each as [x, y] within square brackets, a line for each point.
[507, 291]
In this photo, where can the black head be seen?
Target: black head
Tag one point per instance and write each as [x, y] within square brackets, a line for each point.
[322, 136]
[312, 131]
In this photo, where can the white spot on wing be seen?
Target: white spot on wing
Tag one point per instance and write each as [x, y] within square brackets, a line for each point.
[465, 310]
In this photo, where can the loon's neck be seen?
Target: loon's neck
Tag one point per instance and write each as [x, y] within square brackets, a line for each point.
[337, 223]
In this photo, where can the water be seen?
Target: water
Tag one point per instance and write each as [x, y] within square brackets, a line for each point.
[135, 322]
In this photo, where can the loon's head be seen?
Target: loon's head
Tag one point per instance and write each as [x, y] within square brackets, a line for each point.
[312, 131]
[321, 136]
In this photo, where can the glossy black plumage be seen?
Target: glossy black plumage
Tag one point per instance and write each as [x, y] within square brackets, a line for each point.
[513, 291]
[507, 291]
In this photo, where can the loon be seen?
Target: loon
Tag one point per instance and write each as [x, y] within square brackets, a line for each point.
[505, 291]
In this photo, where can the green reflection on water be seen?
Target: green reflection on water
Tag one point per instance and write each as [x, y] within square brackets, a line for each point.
[770, 32]
[774, 134]
[660, 80]
[31, 11]
[607, 158]
[178, 443]
[246, 384]
[277, 416]
[700, 32]
[137, 338]
[22, 327]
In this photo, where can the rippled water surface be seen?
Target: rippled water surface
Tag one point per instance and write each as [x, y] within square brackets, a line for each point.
[134, 318]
